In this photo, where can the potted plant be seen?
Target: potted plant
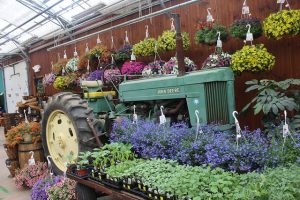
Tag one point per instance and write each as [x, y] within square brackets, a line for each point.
[72, 65]
[154, 68]
[132, 68]
[59, 66]
[39, 189]
[30, 174]
[123, 54]
[171, 67]
[254, 58]
[145, 47]
[67, 82]
[99, 55]
[207, 33]
[63, 190]
[166, 42]
[281, 24]
[112, 75]
[82, 165]
[239, 28]
[96, 75]
[217, 59]
[49, 79]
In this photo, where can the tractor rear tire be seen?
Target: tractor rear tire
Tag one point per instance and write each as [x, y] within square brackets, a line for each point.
[64, 114]
[85, 192]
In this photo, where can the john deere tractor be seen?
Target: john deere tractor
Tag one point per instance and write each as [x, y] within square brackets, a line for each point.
[71, 124]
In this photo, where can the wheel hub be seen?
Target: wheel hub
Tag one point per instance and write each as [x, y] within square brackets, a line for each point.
[61, 139]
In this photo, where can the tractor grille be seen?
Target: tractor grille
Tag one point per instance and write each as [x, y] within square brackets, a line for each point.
[216, 102]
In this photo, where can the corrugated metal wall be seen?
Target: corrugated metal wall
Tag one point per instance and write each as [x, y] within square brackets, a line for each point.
[287, 51]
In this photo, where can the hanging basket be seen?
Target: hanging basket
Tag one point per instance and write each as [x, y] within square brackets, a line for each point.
[239, 28]
[132, 68]
[207, 33]
[112, 75]
[154, 68]
[167, 42]
[284, 23]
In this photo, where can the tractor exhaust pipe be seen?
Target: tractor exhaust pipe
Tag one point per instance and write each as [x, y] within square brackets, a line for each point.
[179, 46]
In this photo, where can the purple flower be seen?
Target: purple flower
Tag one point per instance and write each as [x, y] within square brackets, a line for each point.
[39, 189]
[95, 75]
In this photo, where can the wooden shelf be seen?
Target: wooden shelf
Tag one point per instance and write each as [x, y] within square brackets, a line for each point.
[118, 194]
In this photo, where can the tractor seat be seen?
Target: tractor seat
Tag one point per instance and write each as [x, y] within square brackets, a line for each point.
[92, 84]
[98, 94]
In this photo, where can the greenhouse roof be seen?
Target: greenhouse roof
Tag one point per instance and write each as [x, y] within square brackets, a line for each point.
[24, 22]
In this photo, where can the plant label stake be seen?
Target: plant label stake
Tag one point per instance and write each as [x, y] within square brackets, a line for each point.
[219, 41]
[198, 128]
[147, 31]
[86, 48]
[65, 54]
[162, 117]
[237, 128]
[245, 9]
[249, 35]
[31, 160]
[75, 52]
[134, 117]
[50, 166]
[98, 40]
[209, 17]
[286, 131]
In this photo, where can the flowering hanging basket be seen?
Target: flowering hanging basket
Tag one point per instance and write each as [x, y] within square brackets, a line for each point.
[68, 82]
[217, 59]
[112, 75]
[167, 41]
[49, 79]
[145, 47]
[57, 67]
[96, 75]
[98, 53]
[207, 33]
[154, 68]
[281, 24]
[239, 28]
[171, 67]
[254, 58]
[123, 54]
[132, 68]
[83, 62]
[72, 65]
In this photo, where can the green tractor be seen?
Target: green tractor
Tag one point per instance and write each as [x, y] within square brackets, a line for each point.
[71, 124]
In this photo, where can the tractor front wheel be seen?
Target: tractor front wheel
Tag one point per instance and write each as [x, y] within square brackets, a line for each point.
[65, 130]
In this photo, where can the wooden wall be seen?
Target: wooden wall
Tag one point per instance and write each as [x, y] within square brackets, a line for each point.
[287, 51]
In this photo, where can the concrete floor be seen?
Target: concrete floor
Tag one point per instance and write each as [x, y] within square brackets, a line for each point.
[5, 180]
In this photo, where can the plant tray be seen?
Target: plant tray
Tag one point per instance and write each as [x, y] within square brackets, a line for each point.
[112, 184]
[79, 177]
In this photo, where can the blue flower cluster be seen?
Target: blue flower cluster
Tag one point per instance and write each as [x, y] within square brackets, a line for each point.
[39, 190]
[254, 151]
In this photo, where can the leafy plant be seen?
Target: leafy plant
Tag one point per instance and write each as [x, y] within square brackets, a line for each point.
[145, 47]
[63, 190]
[99, 55]
[167, 41]
[271, 98]
[57, 67]
[239, 28]
[153, 68]
[254, 58]
[218, 59]
[207, 34]
[84, 158]
[65, 82]
[283, 23]
[72, 65]
[123, 54]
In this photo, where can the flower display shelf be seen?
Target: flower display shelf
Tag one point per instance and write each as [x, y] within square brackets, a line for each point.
[117, 194]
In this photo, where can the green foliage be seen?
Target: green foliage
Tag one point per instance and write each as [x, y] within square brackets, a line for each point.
[282, 23]
[110, 154]
[83, 158]
[167, 41]
[65, 82]
[254, 58]
[239, 28]
[208, 35]
[145, 47]
[206, 183]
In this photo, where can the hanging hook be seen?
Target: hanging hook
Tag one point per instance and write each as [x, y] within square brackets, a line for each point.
[249, 27]
[65, 54]
[86, 47]
[126, 37]
[147, 31]
[234, 114]
[245, 3]
[50, 165]
[75, 52]
[172, 24]
[219, 35]
[26, 119]
[285, 116]
[209, 17]
[112, 42]
[98, 40]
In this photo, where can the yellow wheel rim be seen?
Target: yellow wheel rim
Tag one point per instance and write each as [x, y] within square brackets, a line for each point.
[61, 138]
